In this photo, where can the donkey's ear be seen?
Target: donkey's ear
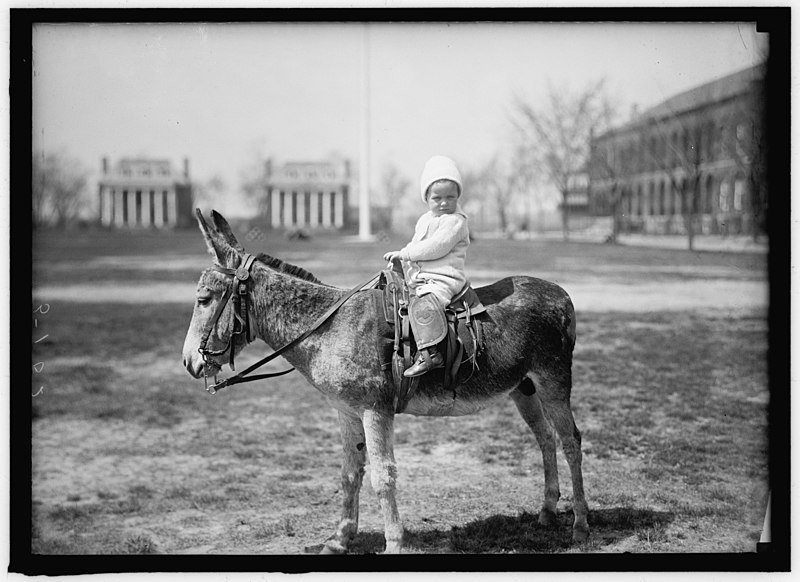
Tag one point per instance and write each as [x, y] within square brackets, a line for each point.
[218, 247]
[224, 229]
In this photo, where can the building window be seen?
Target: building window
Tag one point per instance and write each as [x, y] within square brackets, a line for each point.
[724, 196]
[688, 147]
[706, 205]
[742, 139]
[739, 189]
[724, 141]
[710, 140]
[678, 200]
[741, 132]
[697, 148]
[653, 153]
[673, 154]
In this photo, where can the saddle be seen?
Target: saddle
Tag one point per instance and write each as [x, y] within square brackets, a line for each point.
[462, 345]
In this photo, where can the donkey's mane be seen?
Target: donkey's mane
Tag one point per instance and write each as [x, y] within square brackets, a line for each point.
[287, 268]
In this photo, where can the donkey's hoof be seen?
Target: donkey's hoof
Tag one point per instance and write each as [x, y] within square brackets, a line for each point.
[393, 549]
[547, 517]
[580, 534]
[332, 548]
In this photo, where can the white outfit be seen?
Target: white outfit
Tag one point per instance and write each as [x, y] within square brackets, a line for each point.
[433, 261]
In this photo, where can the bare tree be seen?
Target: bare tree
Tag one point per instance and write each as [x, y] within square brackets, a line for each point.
[746, 143]
[58, 188]
[607, 167]
[674, 149]
[394, 185]
[557, 134]
[252, 182]
[209, 191]
[494, 182]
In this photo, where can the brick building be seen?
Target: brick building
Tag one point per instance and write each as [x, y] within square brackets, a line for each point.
[139, 192]
[696, 160]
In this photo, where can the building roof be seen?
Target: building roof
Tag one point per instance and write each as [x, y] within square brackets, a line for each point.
[711, 92]
[142, 171]
[309, 173]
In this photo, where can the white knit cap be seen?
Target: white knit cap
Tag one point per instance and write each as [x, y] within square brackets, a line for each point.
[439, 168]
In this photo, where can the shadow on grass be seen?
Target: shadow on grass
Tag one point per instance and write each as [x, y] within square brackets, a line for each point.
[503, 534]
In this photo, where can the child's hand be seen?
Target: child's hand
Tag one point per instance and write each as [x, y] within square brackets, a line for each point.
[392, 256]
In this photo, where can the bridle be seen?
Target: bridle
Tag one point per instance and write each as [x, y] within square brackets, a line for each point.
[237, 292]
[243, 319]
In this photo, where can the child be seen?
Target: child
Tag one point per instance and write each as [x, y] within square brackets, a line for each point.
[433, 262]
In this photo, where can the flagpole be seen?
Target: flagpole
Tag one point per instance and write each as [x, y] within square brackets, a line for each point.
[364, 228]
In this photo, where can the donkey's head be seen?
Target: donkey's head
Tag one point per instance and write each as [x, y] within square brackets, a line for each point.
[214, 313]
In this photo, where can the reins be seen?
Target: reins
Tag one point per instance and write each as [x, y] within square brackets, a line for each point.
[242, 317]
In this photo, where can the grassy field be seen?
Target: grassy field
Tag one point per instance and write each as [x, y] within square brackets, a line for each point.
[131, 456]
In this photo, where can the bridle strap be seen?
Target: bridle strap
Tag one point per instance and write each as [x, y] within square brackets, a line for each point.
[213, 322]
[241, 309]
[242, 377]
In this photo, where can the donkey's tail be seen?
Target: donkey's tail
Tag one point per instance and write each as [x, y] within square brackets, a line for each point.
[570, 325]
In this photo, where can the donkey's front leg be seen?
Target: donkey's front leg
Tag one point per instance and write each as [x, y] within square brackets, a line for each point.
[379, 430]
[351, 431]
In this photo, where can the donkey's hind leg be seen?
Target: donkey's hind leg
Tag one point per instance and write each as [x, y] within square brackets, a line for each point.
[351, 431]
[530, 408]
[554, 396]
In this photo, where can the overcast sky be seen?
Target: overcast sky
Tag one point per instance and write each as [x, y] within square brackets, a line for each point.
[227, 95]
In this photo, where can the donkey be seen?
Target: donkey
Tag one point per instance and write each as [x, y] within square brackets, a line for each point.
[529, 331]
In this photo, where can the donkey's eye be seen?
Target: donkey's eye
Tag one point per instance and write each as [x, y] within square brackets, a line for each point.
[203, 300]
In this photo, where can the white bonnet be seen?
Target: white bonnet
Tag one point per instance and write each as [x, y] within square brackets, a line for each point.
[439, 168]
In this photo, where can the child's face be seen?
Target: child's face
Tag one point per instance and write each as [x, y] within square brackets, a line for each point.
[442, 198]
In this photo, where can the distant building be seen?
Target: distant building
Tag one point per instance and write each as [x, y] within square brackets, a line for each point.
[140, 192]
[697, 159]
[577, 194]
[311, 194]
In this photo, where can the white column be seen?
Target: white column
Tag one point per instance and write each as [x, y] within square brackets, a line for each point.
[338, 209]
[131, 207]
[118, 216]
[276, 207]
[111, 194]
[158, 205]
[146, 208]
[313, 202]
[326, 208]
[172, 208]
[287, 209]
[108, 206]
[301, 209]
